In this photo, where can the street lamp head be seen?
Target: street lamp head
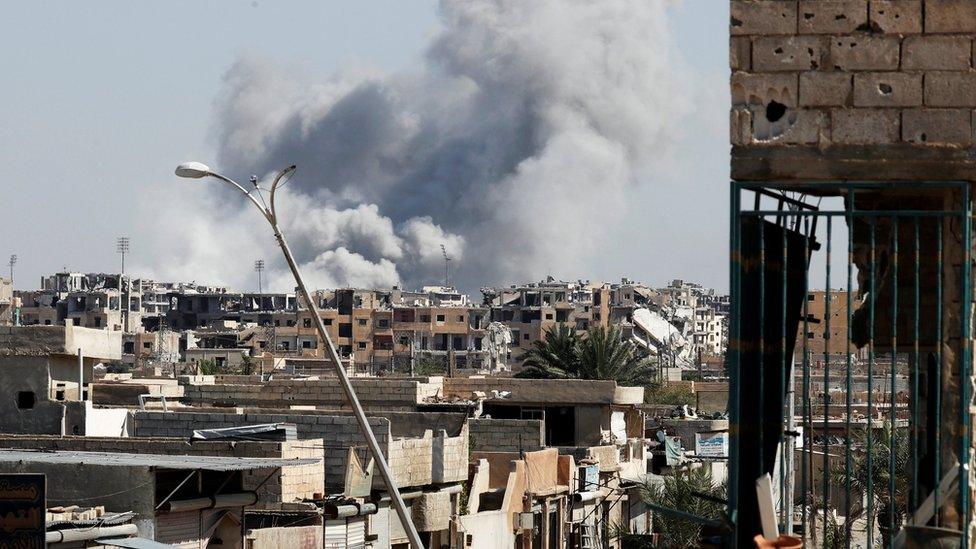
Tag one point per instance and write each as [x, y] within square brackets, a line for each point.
[193, 170]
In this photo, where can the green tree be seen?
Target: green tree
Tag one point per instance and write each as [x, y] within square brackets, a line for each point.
[680, 491]
[553, 357]
[601, 354]
[605, 354]
[889, 508]
[207, 367]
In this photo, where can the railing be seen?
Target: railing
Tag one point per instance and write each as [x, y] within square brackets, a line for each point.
[883, 416]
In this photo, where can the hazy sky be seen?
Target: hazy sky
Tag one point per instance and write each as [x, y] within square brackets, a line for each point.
[102, 99]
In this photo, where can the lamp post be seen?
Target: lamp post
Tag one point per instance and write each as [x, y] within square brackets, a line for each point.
[196, 170]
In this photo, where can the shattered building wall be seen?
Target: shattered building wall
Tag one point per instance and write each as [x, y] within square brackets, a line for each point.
[867, 90]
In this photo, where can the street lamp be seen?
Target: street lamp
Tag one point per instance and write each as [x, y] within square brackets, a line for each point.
[196, 170]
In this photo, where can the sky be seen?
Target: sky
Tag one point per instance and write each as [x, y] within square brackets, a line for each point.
[102, 99]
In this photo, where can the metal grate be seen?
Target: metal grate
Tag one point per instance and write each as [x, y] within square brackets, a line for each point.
[855, 400]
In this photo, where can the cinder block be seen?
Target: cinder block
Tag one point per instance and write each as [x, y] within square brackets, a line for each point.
[826, 89]
[896, 16]
[887, 89]
[865, 53]
[947, 16]
[942, 52]
[831, 16]
[865, 126]
[788, 53]
[759, 89]
[950, 89]
[937, 126]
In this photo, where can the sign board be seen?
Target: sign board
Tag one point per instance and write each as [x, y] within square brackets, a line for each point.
[712, 445]
[22, 511]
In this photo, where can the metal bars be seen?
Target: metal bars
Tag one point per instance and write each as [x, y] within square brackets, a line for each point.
[883, 442]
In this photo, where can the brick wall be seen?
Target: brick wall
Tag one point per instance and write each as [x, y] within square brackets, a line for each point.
[852, 72]
[506, 435]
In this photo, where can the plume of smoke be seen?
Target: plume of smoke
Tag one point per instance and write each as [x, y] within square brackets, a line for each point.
[515, 143]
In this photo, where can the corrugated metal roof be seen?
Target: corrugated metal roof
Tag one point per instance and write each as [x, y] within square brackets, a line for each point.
[210, 463]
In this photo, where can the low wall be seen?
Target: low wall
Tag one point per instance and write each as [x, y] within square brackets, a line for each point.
[506, 435]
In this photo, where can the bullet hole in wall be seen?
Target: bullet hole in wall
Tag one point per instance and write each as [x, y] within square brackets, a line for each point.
[775, 110]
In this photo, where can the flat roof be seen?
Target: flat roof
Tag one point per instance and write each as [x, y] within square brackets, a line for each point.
[209, 463]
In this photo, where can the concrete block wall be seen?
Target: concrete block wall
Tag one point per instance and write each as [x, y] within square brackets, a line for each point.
[338, 432]
[540, 391]
[506, 435]
[380, 394]
[853, 72]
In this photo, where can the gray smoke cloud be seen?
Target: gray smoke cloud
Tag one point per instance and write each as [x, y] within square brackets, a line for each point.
[515, 143]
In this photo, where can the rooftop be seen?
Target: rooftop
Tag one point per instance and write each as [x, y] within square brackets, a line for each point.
[207, 463]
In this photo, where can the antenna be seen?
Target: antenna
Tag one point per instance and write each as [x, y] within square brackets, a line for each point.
[447, 266]
[259, 266]
[122, 247]
[11, 263]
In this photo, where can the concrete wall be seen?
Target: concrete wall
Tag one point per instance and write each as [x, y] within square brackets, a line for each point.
[506, 435]
[29, 374]
[545, 391]
[288, 484]
[488, 530]
[297, 537]
[124, 488]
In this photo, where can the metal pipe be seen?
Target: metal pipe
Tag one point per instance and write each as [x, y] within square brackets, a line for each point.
[333, 511]
[221, 501]
[83, 534]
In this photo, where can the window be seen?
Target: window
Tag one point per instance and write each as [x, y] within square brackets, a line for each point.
[440, 318]
[147, 345]
[291, 323]
[460, 318]
[306, 344]
[548, 316]
[345, 329]
[525, 337]
[307, 322]
[25, 400]
[327, 321]
[361, 345]
[383, 323]
[128, 347]
[361, 321]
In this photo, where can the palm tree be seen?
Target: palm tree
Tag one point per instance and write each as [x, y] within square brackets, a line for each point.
[553, 357]
[605, 354]
[889, 509]
[602, 354]
[681, 491]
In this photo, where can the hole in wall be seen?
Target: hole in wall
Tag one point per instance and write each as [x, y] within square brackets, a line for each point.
[775, 111]
[885, 89]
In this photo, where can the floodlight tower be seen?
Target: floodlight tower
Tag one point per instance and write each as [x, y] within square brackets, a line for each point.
[447, 266]
[11, 263]
[122, 247]
[259, 266]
